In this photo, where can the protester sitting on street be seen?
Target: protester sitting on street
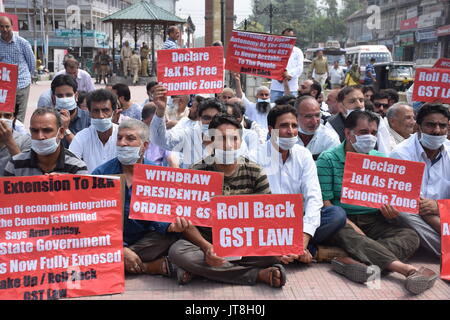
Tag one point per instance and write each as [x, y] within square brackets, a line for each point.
[97, 143]
[177, 111]
[146, 243]
[393, 96]
[255, 111]
[226, 94]
[190, 142]
[11, 141]
[82, 100]
[15, 123]
[83, 78]
[400, 122]
[153, 152]
[373, 243]
[192, 118]
[290, 169]
[313, 135]
[250, 137]
[47, 154]
[368, 91]
[311, 88]
[74, 119]
[127, 108]
[381, 103]
[150, 87]
[195, 253]
[429, 146]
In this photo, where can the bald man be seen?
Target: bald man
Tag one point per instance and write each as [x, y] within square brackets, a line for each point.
[400, 121]
[226, 94]
[313, 135]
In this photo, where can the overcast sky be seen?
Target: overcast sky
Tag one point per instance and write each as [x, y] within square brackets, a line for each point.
[196, 9]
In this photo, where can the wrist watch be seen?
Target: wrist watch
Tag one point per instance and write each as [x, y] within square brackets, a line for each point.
[68, 132]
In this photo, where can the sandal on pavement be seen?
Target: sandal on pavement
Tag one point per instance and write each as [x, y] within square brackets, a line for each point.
[282, 276]
[356, 271]
[164, 267]
[420, 280]
[183, 276]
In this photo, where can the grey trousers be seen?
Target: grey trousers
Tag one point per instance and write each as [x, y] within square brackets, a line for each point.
[22, 102]
[190, 257]
[153, 245]
[429, 238]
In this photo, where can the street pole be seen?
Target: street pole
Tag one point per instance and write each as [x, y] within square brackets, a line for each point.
[81, 44]
[270, 16]
[34, 28]
[222, 21]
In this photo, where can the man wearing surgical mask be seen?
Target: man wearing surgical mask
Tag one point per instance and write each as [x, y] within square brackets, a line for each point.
[146, 243]
[97, 143]
[369, 236]
[47, 154]
[64, 94]
[191, 142]
[430, 146]
[11, 141]
[195, 253]
[290, 169]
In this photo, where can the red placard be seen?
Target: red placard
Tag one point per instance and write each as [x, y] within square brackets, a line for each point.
[372, 181]
[60, 236]
[8, 86]
[15, 20]
[258, 225]
[444, 212]
[259, 54]
[163, 194]
[432, 84]
[442, 63]
[192, 70]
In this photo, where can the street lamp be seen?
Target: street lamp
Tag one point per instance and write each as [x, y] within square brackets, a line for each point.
[270, 10]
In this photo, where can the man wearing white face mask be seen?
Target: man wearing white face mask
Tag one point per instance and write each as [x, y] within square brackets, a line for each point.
[64, 94]
[11, 141]
[369, 237]
[195, 252]
[291, 169]
[97, 143]
[47, 154]
[146, 243]
[313, 135]
[430, 146]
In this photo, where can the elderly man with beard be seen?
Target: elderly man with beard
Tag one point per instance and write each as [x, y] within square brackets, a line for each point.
[255, 111]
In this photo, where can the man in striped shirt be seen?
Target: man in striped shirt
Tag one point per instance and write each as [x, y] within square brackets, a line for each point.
[195, 253]
[47, 154]
[16, 50]
[174, 35]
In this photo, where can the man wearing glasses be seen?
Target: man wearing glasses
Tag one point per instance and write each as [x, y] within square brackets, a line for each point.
[381, 103]
[313, 135]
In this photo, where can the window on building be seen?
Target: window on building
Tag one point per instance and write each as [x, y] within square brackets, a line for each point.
[23, 25]
[428, 50]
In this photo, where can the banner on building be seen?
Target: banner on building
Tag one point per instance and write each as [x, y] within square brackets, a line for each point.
[60, 236]
[191, 70]
[163, 194]
[8, 86]
[432, 85]
[372, 181]
[259, 54]
[444, 211]
[258, 225]
[442, 63]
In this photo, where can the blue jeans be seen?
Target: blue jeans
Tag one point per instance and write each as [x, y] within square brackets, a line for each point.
[274, 95]
[332, 219]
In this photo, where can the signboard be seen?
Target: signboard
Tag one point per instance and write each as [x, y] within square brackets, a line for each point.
[192, 70]
[163, 194]
[432, 84]
[259, 54]
[442, 63]
[8, 86]
[60, 236]
[406, 39]
[372, 181]
[444, 212]
[258, 225]
[428, 20]
[426, 36]
[443, 31]
[409, 24]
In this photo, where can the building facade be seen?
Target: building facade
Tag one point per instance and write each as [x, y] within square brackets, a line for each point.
[51, 25]
[412, 30]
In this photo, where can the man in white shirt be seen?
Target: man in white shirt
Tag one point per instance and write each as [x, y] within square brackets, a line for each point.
[336, 76]
[429, 145]
[400, 122]
[290, 169]
[293, 71]
[255, 111]
[312, 134]
[191, 142]
[97, 143]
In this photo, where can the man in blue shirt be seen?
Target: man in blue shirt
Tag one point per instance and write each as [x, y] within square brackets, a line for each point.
[16, 50]
[146, 243]
[370, 77]
[174, 35]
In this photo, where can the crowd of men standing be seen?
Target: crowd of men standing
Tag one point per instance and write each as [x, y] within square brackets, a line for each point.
[289, 141]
